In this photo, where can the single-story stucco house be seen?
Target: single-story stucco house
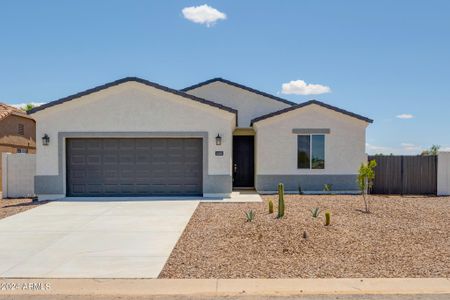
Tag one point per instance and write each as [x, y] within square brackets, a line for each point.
[133, 137]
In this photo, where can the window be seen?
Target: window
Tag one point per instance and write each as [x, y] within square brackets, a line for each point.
[304, 150]
[311, 151]
[21, 129]
[22, 150]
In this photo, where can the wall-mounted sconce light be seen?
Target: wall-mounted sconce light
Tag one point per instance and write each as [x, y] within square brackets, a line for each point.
[45, 140]
[218, 140]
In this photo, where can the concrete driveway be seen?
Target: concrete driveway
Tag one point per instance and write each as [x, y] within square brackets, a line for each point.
[83, 239]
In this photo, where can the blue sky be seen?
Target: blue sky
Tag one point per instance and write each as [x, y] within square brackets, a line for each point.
[380, 59]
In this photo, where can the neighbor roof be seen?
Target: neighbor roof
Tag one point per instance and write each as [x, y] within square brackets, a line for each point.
[238, 85]
[133, 79]
[339, 110]
[7, 110]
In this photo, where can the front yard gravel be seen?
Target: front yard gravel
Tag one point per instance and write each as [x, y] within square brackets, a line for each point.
[9, 207]
[402, 237]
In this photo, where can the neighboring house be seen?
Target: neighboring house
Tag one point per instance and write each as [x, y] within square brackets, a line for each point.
[133, 137]
[17, 132]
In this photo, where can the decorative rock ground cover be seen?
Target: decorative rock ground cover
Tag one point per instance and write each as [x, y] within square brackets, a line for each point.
[402, 237]
[9, 207]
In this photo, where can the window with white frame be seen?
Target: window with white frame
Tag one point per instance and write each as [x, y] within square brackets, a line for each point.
[311, 151]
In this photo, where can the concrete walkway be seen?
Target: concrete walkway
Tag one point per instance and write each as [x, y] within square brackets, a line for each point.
[92, 239]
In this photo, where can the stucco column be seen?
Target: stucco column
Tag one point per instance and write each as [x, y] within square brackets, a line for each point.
[443, 174]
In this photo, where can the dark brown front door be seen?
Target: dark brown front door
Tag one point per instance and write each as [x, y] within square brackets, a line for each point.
[243, 161]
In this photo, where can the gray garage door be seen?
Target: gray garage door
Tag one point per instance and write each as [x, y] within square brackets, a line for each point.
[134, 167]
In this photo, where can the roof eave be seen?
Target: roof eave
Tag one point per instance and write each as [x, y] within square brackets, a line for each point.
[238, 85]
[132, 79]
[311, 102]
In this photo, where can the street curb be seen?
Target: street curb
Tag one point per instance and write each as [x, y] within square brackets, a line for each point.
[224, 287]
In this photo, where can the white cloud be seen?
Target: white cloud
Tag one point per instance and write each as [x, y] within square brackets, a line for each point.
[372, 149]
[408, 147]
[300, 87]
[20, 105]
[405, 116]
[203, 14]
[403, 148]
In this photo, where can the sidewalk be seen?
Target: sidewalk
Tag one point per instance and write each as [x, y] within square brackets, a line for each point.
[225, 287]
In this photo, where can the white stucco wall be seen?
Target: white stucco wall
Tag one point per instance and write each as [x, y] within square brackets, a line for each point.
[18, 175]
[248, 104]
[443, 180]
[133, 107]
[276, 145]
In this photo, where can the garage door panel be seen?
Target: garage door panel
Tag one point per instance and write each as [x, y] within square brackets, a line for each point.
[127, 188]
[126, 159]
[143, 143]
[94, 188]
[111, 188]
[77, 159]
[127, 167]
[79, 188]
[127, 144]
[142, 157]
[111, 144]
[110, 159]
[78, 145]
[93, 144]
[94, 159]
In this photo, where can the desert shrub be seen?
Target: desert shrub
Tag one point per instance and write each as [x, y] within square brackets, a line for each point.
[315, 212]
[327, 187]
[366, 175]
[250, 215]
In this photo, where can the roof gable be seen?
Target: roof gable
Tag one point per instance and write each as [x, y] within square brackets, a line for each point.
[298, 106]
[133, 79]
[249, 89]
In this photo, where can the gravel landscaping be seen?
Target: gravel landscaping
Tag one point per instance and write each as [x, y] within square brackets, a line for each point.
[402, 237]
[9, 207]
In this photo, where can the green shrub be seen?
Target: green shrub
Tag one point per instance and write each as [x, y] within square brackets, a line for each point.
[366, 176]
[250, 215]
[280, 200]
[270, 207]
[327, 218]
[327, 187]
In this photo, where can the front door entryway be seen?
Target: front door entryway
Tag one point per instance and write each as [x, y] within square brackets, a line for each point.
[243, 161]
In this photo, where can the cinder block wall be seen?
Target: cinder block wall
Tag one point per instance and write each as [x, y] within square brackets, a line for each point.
[443, 180]
[18, 173]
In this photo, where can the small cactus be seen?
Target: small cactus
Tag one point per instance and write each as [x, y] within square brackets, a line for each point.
[305, 235]
[270, 207]
[327, 218]
[280, 200]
